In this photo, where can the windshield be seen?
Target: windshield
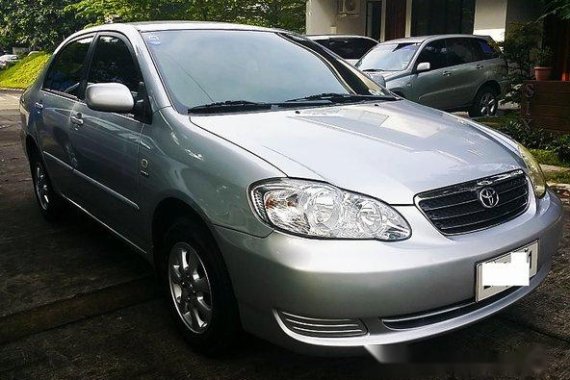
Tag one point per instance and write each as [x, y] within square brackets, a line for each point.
[200, 67]
[388, 57]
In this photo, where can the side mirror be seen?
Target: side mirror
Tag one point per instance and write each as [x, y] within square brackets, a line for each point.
[109, 97]
[423, 66]
[379, 79]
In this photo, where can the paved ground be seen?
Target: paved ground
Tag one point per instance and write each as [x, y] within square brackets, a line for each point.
[76, 303]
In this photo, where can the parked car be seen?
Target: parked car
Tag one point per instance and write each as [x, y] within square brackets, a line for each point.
[448, 72]
[286, 193]
[350, 48]
[7, 60]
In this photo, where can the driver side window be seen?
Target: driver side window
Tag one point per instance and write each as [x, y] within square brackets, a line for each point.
[113, 63]
[434, 53]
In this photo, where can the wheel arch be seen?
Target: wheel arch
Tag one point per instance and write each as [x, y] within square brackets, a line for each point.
[32, 149]
[166, 212]
[492, 84]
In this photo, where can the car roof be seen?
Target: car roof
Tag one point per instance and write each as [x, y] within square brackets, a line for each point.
[339, 36]
[154, 26]
[420, 39]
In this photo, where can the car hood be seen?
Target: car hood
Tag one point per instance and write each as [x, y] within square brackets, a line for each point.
[389, 150]
[388, 75]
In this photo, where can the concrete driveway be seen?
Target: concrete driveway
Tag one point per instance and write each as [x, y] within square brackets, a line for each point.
[77, 303]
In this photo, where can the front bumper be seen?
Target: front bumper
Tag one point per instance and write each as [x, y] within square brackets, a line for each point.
[372, 281]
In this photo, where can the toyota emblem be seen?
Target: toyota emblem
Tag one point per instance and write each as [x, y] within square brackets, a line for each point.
[488, 197]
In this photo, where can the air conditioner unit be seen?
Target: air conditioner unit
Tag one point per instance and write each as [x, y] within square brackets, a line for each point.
[348, 7]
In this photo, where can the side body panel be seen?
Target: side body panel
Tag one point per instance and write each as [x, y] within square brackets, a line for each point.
[206, 172]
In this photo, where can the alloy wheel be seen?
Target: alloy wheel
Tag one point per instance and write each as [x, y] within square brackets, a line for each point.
[190, 287]
[42, 187]
[488, 104]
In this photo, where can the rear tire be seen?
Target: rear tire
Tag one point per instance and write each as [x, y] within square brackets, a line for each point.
[485, 103]
[198, 288]
[52, 205]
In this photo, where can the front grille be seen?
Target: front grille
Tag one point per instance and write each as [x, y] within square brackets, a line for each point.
[323, 328]
[459, 209]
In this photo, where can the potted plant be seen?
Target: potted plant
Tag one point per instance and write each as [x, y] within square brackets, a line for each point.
[543, 60]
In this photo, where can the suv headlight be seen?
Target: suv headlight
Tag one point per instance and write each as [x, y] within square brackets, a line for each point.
[534, 171]
[318, 209]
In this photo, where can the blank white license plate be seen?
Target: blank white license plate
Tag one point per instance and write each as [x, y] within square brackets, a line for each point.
[482, 291]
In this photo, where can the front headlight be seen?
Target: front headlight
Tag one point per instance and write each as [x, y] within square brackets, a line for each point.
[534, 172]
[321, 210]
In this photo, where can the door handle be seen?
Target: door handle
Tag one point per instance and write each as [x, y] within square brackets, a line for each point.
[77, 120]
[39, 106]
[446, 73]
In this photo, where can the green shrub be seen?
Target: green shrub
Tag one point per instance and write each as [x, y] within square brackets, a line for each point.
[530, 137]
[23, 73]
[548, 157]
[562, 148]
[548, 148]
[558, 177]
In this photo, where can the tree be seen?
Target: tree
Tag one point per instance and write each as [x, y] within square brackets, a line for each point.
[40, 24]
[520, 40]
[287, 14]
[560, 8]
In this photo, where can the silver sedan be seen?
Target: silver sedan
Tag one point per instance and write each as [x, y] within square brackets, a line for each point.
[278, 189]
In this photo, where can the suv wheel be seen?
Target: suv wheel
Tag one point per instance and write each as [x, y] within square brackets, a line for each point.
[199, 291]
[51, 204]
[485, 103]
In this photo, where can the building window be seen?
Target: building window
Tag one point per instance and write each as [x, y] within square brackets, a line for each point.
[442, 17]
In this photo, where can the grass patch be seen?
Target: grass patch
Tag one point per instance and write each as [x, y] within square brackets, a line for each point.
[558, 177]
[548, 157]
[23, 73]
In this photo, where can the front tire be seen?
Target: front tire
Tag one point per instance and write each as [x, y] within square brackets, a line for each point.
[485, 103]
[51, 204]
[198, 288]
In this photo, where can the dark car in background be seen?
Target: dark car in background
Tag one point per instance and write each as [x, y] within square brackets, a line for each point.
[350, 48]
[448, 72]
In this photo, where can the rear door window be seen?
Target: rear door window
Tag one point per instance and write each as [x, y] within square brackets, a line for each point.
[487, 51]
[434, 53]
[460, 51]
[66, 71]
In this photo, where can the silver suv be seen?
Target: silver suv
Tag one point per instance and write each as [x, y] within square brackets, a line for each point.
[278, 189]
[449, 72]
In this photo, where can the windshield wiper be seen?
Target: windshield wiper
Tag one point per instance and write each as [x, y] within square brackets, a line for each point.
[373, 70]
[246, 105]
[236, 105]
[343, 98]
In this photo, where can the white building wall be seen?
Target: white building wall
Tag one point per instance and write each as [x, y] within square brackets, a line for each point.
[490, 18]
[323, 18]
